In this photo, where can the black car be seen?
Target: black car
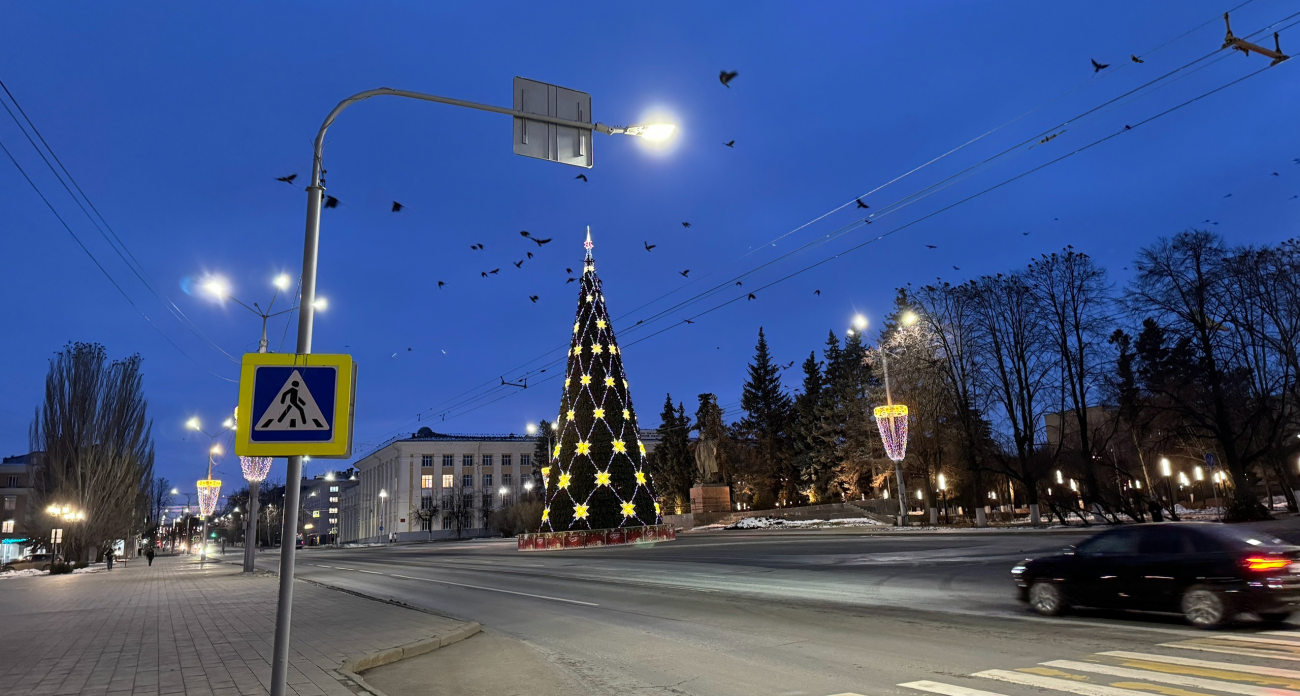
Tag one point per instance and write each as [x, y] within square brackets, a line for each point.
[1207, 572]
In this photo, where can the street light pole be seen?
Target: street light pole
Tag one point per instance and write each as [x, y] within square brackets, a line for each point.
[306, 317]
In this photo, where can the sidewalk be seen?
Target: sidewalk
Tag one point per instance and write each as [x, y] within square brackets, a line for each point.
[179, 627]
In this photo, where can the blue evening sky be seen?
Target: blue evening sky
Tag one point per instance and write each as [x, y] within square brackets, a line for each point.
[175, 118]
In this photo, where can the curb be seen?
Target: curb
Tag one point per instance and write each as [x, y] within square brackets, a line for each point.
[350, 670]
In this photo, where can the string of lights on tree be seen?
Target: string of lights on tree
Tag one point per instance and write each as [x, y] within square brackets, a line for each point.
[596, 478]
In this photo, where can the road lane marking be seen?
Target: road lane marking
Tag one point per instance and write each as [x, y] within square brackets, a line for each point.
[1175, 679]
[497, 589]
[1293, 634]
[1053, 683]
[1247, 652]
[946, 689]
[368, 571]
[1257, 639]
[1206, 664]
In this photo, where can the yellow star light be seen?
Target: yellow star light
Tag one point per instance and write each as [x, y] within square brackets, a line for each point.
[584, 447]
[627, 414]
[577, 350]
[557, 451]
[564, 481]
[613, 350]
[625, 385]
[602, 478]
[620, 446]
[641, 445]
[566, 381]
[597, 349]
[586, 379]
[629, 509]
[546, 471]
[656, 508]
[590, 298]
[580, 512]
[640, 477]
[575, 327]
[570, 414]
[546, 514]
[600, 323]
[609, 381]
[599, 413]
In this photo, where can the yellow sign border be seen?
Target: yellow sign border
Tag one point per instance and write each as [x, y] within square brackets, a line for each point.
[338, 448]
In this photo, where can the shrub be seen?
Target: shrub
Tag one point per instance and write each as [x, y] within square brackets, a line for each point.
[524, 516]
[60, 568]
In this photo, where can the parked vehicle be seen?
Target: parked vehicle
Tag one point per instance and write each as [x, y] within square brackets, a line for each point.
[38, 561]
[1207, 572]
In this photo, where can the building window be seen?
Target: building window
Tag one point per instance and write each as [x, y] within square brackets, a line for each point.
[487, 480]
[426, 460]
[446, 503]
[525, 460]
[505, 479]
[487, 503]
[334, 499]
[7, 527]
[487, 460]
[11, 502]
[316, 513]
[448, 480]
[426, 502]
[505, 461]
[449, 460]
[467, 481]
[426, 481]
[13, 482]
[333, 511]
[446, 522]
[334, 520]
[334, 489]
[467, 461]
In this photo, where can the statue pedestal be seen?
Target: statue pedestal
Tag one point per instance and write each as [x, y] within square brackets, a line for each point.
[710, 497]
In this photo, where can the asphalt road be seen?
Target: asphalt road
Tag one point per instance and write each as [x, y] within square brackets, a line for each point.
[771, 612]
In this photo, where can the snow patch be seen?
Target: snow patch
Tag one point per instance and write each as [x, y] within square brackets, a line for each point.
[778, 523]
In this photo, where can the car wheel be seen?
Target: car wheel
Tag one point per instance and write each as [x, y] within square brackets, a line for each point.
[1275, 616]
[1046, 599]
[1205, 608]
[45, 567]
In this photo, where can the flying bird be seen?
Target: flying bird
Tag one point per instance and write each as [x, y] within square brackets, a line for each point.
[649, 246]
[1098, 67]
[1128, 127]
[685, 272]
[1228, 196]
[752, 297]
[1276, 174]
[686, 225]
[862, 205]
[730, 143]
[726, 77]
[1133, 58]
[688, 321]
[523, 233]
[483, 273]
[287, 179]
[476, 246]
[1294, 197]
[495, 271]
[817, 293]
[541, 241]
[530, 254]
[788, 366]
[581, 176]
[331, 202]
[955, 268]
[569, 271]
[569, 281]
[397, 207]
[737, 282]
[519, 264]
[1024, 234]
[440, 284]
[533, 298]
[931, 246]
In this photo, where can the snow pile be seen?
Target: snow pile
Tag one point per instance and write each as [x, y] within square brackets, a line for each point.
[23, 573]
[778, 523]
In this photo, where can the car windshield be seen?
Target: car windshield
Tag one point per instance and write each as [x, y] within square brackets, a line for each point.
[1114, 543]
[1243, 537]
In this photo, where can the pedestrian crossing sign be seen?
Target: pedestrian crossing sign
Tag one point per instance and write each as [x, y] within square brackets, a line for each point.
[295, 405]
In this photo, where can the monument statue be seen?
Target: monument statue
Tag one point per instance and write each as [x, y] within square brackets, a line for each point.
[706, 460]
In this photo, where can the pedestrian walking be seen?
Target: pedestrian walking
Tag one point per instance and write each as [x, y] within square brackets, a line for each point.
[223, 546]
[149, 555]
[109, 558]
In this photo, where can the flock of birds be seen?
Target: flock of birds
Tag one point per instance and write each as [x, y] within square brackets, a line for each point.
[725, 77]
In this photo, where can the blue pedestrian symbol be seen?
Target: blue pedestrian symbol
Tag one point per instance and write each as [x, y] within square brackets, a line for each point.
[293, 404]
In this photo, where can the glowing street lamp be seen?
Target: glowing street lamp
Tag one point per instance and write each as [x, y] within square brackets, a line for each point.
[209, 489]
[219, 288]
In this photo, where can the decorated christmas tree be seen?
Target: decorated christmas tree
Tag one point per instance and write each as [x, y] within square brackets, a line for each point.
[597, 477]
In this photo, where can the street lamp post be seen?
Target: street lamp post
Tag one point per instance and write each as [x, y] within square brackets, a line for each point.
[1166, 470]
[187, 495]
[311, 243]
[381, 515]
[209, 488]
[221, 290]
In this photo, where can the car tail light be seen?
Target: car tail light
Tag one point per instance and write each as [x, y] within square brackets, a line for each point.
[1266, 563]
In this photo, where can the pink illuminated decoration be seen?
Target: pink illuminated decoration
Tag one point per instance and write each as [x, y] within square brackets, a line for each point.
[209, 493]
[892, 421]
[255, 468]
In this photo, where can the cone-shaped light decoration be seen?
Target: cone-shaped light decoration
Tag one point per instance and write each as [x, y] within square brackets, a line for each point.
[255, 468]
[892, 421]
[596, 478]
[209, 493]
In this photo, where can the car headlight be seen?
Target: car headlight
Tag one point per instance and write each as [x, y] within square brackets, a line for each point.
[1018, 570]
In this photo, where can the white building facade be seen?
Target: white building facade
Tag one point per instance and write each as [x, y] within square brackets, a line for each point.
[438, 486]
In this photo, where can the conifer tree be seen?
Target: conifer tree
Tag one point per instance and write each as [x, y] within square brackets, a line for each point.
[767, 407]
[672, 463]
[597, 477]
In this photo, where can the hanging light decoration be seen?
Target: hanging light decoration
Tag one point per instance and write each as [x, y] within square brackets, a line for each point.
[892, 421]
[255, 468]
[209, 493]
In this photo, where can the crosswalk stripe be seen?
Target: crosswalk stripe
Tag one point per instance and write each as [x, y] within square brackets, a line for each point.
[1206, 664]
[946, 689]
[1294, 634]
[1175, 679]
[1257, 639]
[1247, 652]
[1074, 687]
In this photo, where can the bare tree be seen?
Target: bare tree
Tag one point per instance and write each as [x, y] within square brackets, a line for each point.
[97, 452]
